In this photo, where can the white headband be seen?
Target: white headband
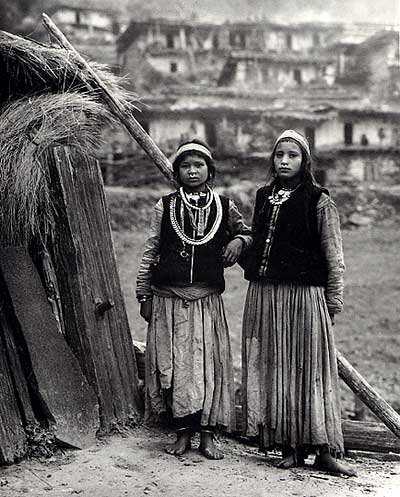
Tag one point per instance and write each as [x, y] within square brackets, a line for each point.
[290, 134]
[192, 147]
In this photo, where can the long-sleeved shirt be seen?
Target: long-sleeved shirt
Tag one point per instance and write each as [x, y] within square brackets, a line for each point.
[331, 245]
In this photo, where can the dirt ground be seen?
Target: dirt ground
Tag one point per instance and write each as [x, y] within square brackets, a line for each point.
[136, 465]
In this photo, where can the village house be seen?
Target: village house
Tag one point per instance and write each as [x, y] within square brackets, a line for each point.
[349, 138]
[198, 52]
[236, 85]
[277, 70]
[373, 64]
[91, 26]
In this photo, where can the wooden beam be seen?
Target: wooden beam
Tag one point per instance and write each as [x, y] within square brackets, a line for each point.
[358, 435]
[368, 395]
[116, 106]
[369, 437]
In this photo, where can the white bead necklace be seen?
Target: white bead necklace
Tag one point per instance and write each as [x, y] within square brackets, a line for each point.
[178, 228]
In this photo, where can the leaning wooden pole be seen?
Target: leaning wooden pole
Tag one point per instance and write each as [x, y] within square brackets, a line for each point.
[368, 395]
[131, 124]
[346, 371]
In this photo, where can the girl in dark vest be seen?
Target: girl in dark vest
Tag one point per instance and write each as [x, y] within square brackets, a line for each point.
[295, 268]
[194, 233]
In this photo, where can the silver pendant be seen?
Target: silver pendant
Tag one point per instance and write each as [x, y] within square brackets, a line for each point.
[184, 254]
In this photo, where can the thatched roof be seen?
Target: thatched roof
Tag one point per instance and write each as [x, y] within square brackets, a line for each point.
[46, 99]
[30, 68]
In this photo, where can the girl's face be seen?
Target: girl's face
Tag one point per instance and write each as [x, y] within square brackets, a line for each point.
[287, 160]
[193, 172]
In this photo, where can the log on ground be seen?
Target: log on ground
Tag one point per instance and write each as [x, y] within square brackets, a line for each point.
[358, 435]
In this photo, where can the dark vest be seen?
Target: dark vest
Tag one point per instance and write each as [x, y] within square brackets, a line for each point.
[295, 255]
[205, 262]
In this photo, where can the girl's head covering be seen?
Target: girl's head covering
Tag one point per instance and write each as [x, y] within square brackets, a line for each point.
[296, 137]
[302, 142]
[194, 146]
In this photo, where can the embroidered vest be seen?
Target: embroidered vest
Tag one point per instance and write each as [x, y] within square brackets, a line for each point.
[294, 254]
[204, 263]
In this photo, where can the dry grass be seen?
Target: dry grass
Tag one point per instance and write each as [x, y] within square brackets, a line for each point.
[28, 128]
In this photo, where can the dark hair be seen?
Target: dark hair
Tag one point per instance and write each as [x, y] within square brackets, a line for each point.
[306, 173]
[210, 162]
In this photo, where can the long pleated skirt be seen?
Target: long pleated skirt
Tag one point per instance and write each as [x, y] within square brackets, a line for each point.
[189, 361]
[290, 380]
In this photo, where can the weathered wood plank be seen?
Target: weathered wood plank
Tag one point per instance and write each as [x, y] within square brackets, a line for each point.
[96, 323]
[12, 434]
[58, 387]
[18, 359]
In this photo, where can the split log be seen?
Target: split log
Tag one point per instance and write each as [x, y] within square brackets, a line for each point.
[95, 319]
[131, 124]
[368, 395]
[59, 391]
[12, 435]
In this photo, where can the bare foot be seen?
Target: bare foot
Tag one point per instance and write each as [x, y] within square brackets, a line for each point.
[325, 462]
[290, 459]
[181, 445]
[207, 446]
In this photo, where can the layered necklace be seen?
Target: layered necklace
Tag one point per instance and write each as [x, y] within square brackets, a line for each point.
[278, 197]
[198, 216]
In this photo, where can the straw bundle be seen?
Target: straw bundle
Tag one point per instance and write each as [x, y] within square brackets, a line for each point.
[28, 128]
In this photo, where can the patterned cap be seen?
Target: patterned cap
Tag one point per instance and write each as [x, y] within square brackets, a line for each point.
[192, 146]
[298, 138]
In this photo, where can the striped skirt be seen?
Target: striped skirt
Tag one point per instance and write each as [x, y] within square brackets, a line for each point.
[291, 389]
[188, 360]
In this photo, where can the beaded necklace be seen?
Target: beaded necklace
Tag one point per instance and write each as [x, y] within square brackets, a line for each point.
[280, 196]
[198, 227]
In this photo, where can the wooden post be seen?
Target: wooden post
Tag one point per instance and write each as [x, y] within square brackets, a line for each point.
[116, 106]
[368, 395]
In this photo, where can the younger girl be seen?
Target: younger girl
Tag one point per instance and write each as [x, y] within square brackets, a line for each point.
[295, 268]
[194, 233]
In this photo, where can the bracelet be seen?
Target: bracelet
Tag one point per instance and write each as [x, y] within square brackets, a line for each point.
[144, 298]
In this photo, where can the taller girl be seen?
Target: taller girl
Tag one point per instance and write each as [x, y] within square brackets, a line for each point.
[295, 269]
[194, 233]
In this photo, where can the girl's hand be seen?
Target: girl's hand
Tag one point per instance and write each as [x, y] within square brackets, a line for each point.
[146, 310]
[233, 251]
